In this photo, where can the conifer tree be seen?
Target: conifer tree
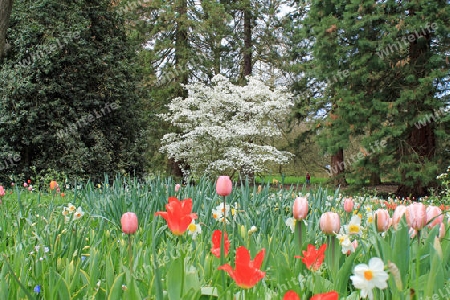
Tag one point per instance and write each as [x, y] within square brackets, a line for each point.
[384, 65]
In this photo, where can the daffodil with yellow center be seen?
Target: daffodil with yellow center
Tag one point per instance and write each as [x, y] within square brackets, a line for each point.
[354, 226]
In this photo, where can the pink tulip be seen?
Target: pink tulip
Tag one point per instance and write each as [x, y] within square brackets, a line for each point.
[177, 187]
[129, 223]
[416, 215]
[330, 223]
[224, 186]
[434, 216]
[398, 214]
[348, 204]
[300, 209]
[383, 219]
[2, 191]
[25, 184]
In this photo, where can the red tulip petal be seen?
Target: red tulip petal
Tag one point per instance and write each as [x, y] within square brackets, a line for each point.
[257, 262]
[242, 256]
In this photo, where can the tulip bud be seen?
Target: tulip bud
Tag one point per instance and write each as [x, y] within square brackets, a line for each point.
[348, 204]
[224, 186]
[2, 191]
[416, 216]
[383, 220]
[398, 214]
[330, 223]
[434, 216]
[177, 187]
[53, 185]
[300, 208]
[129, 223]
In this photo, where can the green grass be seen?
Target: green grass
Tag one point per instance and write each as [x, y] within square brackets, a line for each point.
[294, 180]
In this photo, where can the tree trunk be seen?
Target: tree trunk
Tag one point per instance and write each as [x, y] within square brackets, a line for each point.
[375, 178]
[181, 63]
[421, 141]
[338, 167]
[247, 42]
[5, 14]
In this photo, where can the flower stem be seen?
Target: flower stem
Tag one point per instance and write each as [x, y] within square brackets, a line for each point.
[130, 253]
[222, 243]
[418, 260]
[300, 234]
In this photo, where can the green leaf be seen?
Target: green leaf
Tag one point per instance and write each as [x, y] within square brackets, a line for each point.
[115, 292]
[175, 279]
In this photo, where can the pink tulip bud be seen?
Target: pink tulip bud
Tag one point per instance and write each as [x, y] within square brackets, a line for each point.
[224, 186]
[177, 187]
[25, 184]
[398, 214]
[434, 216]
[416, 215]
[348, 204]
[330, 223]
[129, 223]
[2, 191]
[383, 219]
[300, 209]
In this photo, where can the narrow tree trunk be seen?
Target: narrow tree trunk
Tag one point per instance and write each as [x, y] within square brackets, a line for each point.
[5, 14]
[375, 178]
[181, 63]
[247, 42]
[338, 165]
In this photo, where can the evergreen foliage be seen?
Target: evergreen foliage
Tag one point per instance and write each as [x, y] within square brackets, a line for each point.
[68, 98]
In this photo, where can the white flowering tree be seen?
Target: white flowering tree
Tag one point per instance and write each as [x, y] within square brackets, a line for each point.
[225, 128]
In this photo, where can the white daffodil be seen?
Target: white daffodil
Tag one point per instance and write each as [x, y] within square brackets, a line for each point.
[345, 242]
[291, 223]
[354, 226]
[71, 207]
[221, 211]
[65, 211]
[370, 276]
[194, 229]
[78, 213]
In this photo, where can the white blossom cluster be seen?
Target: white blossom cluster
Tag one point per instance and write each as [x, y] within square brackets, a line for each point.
[225, 127]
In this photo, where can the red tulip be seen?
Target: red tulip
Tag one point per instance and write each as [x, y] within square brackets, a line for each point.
[416, 216]
[434, 216]
[53, 185]
[348, 204]
[383, 219]
[329, 223]
[224, 186]
[216, 239]
[398, 214]
[300, 209]
[178, 215]
[291, 295]
[247, 272]
[333, 295]
[129, 223]
[312, 257]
